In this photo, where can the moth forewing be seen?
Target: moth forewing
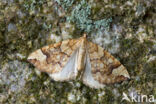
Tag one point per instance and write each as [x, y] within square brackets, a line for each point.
[69, 71]
[104, 67]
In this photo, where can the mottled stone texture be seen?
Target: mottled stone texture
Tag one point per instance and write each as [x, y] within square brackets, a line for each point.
[125, 28]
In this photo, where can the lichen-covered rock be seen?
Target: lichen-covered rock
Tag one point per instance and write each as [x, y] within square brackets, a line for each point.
[125, 28]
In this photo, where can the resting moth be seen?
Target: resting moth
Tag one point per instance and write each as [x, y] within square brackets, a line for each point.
[79, 58]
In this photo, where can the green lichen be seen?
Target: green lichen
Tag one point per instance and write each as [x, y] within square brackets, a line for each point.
[66, 4]
[33, 4]
[80, 15]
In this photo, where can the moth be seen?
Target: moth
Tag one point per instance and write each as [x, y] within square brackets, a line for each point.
[79, 59]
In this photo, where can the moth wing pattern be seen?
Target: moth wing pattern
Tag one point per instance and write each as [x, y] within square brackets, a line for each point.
[54, 59]
[88, 78]
[69, 71]
[64, 60]
[103, 67]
